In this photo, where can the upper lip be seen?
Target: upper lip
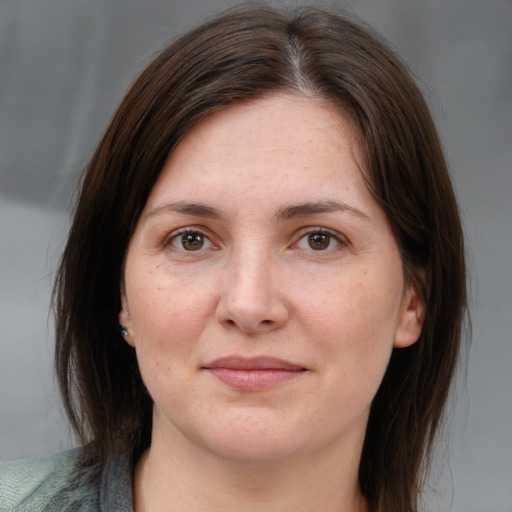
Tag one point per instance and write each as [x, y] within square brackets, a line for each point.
[253, 363]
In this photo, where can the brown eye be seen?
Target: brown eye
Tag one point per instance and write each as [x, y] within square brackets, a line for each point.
[192, 241]
[189, 241]
[319, 241]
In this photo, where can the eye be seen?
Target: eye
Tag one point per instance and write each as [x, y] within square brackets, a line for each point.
[189, 240]
[319, 240]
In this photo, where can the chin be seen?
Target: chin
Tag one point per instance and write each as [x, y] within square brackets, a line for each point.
[252, 450]
[251, 439]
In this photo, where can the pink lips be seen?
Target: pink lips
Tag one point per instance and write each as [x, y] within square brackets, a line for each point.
[254, 373]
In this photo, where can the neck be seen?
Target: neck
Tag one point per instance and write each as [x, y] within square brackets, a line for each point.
[180, 476]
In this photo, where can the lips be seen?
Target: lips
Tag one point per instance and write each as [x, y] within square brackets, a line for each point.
[254, 373]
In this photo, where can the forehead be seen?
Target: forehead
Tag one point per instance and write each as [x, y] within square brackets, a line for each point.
[278, 139]
[278, 120]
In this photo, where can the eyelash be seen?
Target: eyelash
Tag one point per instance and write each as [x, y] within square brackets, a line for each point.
[175, 235]
[321, 231]
[170, 239]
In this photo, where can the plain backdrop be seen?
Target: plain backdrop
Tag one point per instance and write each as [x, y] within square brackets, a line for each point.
[64, 66]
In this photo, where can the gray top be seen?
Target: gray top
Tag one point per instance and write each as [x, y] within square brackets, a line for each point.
[61, 482]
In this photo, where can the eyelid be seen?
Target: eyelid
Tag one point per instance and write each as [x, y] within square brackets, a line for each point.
[342, 240]
[300, 234]
[169, 238]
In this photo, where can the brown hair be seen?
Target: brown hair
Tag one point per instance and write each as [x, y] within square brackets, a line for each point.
[242, 54]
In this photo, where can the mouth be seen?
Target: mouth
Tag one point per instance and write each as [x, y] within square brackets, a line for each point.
[253, 373]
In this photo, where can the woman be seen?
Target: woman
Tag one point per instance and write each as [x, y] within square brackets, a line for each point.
[259, 306]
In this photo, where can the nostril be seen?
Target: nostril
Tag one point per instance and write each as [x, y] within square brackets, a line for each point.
[251, 315]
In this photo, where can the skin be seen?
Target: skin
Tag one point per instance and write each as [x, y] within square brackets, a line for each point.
[335, 305]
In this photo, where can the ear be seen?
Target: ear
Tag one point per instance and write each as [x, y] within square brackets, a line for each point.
[125, 319]
[412, 317]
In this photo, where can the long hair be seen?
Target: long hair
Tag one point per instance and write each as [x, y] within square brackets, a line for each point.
[243, 54]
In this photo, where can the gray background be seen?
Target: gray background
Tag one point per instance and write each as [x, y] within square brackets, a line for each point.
[64, 65]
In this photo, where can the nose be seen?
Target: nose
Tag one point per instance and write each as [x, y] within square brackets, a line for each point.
[251, 299]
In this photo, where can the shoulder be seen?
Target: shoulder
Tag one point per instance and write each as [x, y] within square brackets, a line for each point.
[33, 484]
[67, 481]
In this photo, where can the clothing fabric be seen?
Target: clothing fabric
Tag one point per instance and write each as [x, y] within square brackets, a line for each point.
[65, 483]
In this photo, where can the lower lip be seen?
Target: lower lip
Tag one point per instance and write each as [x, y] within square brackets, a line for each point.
[252, 380]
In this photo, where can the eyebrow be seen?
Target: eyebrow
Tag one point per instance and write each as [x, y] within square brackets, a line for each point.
[183, 207]
[317, 207]
[289, 212]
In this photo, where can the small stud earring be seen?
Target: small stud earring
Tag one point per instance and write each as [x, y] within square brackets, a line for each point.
[124, 330]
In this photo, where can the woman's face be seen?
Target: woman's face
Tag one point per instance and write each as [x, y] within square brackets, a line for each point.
[263, 288]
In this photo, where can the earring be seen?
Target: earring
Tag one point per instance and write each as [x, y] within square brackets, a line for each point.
[124, 330]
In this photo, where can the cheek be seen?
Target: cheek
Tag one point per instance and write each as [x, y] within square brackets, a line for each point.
[157, 297]
[167, 313]
[167, 317]
[357, 309]
[353, 323]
